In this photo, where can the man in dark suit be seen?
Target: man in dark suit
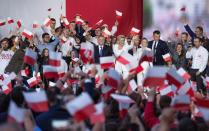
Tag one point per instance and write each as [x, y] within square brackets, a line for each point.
[159, 49]
[102, 50]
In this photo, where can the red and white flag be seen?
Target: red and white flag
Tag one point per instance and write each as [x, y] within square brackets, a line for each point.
[28, 34]
[66, 22]
[47, 22]
[106, 33]
[19, 23]
[181, 102]
[107, 62]
[55, 58]
[7, 83]
[86, 52]
[183, 73]
[155, 76]
[30, 57]
[98, 116]
[106, 92]
[118, 14]
[203, 106]
[113, 78]
[2, 22]
[37, 101]
[167, 57]
[32, 81]
[36, 24]
[134, 31]
[122, 98]
[132, 86]
[166, 90]
[50, 72]
[186, 89]
[147, 56]
[174, 78]
[24, 72]
[123, 109]
[82, 111]
[10, 20]
[15, 113]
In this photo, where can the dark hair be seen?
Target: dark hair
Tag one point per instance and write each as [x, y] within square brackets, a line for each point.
[182, 52]
[165, 101]
[4, 39]
[17, 96]
[42, 53]
[200, 28]
[58, 29]
[184, 33]
[187, 124]
[44, 34]
[156, 32]
[52, 19]
[52, 93]
[200, 39]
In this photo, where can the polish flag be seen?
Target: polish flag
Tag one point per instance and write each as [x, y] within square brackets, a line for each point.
[82, 111]
[155, 76]
[32, 81]
[181, 102]
[79, 21]
[7, 83]
[10, 20]
[125, 58]
[107, 62]
[50, 72]
[86, 52]
[63, 39]
[24, 72]
[27, 34]
[2, 22]
[106, 92]
[66, 22]
[203, 106]
[123, 109]
[47, 22]
[186, 89]
[113, 78]
[166, 90]
[122, 98]
[30, 57]
[167, 57]
[118, 15]
[98, 116]
[15, 113]
[106, 33]
[19, 23]
[37, 101]
[183, 73]
[134, 31]
[36, 24]
[147, 56]
[174, 78]
[55, 58]
[132, 86]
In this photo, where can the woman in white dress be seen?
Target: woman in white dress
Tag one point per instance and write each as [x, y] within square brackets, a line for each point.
[118, 48]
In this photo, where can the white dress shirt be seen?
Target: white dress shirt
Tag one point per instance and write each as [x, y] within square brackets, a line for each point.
[199, 58]
[67, 46]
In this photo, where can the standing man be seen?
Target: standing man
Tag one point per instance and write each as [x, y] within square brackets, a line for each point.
[159, 49]
[199, 60]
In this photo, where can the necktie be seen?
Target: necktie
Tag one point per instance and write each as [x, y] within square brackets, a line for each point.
[100, 51]
[155, 48]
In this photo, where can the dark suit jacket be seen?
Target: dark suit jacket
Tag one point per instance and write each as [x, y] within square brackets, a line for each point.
[107, 51]
[162, 49]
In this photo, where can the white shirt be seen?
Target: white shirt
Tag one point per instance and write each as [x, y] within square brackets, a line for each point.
[5, 58]
[199, 58]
